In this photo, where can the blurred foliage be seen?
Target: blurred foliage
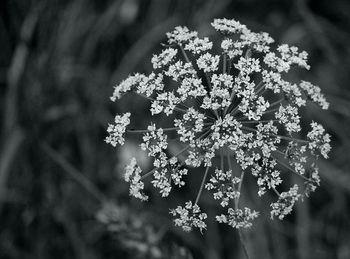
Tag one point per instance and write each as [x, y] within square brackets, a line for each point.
[61, 190]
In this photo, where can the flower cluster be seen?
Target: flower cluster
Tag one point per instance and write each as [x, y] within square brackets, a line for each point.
[116, 131]
[223, 183]
[133, 175]
[189, 216]
[285, 203]
[228, 110]
[238, 218]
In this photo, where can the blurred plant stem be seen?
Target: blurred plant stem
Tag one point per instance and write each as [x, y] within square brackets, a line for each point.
[74, 173]
[12, 135]
[316, 30]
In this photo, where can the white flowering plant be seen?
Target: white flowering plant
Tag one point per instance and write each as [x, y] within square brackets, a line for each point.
[231, 109]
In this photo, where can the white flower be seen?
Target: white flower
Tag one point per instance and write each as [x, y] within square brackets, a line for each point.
[314, 93]
[224, 185]
[232, 49]
[248, 65]
[225, 111]
[116, 131]
[288, 116]
[289, 57]
[133, 176]
[285, 203]
[166, 102]
[180, 70]
[268, 176]
[164, 59]
[319, 140]
[208, 62]
[257, 41]
[191, 86]
[127, 85]
[198, 46]
[266, 138]
[155, 141]
[190, 125]
[162, 182]
[219, 96]
[238, 218]
[148, 84]
[177, 176]
[181, 35]
[227, 26]
[313, 182]
[226, 132]
[292, 56]
[189, 216]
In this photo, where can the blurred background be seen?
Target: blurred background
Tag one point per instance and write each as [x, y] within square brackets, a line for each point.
[61, 189]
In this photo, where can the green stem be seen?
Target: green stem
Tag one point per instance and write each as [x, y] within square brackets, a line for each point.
[235, 110]
[291, 169]
[184, 54]
[182, 150]
[280, 136]
[257, 87]
[243, 244]
[239, 189]
[270, 111]
[149, 173]
[224, 63]
[276, 103]
[229, 162]
[250, 122]
[145, 130]
[263, 91]
[202, 185]
[222, 159]
[277, 192]
[294, 139]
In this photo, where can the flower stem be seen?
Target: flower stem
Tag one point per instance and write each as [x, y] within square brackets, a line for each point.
[145, 130]
[291, 169]
[149, 173]
[184, 54]
[222, 158]
[182, 150]
[270, 111]
[257, 87]
[280, 136]
[294, 139]
[261, 91]
[224, 63]
[202, 185]
[277, 192]
[262, 121]
[276, 103]
[234, 110]
[243, 244]
[239, 189]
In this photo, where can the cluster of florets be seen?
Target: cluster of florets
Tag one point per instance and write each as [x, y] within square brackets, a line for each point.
[235, 106]
[189, 216]
[238, 218]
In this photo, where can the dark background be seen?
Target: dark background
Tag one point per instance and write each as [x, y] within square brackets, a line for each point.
[61, 188]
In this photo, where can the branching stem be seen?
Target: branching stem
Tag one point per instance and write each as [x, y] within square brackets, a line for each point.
[291, 169]
[280, 136]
